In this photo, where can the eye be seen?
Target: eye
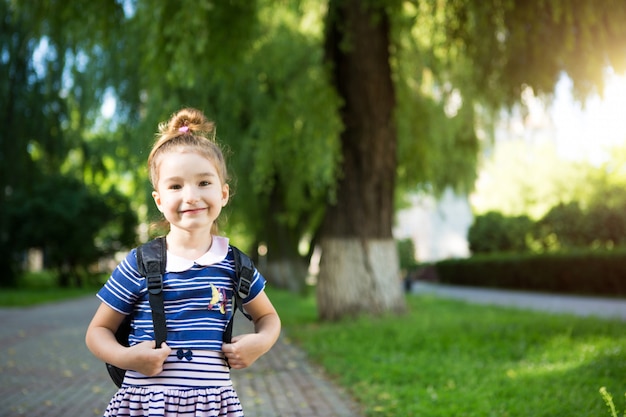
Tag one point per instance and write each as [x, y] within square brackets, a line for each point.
[175, 187]
[205, 183]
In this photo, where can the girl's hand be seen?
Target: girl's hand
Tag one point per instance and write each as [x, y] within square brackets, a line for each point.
[100, 339]
[147, 360]
[244, 350]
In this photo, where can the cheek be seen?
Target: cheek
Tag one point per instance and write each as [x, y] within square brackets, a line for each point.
[166, 203]
[161, 200]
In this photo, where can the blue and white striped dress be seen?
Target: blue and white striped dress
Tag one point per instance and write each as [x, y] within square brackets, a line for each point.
[197, 295]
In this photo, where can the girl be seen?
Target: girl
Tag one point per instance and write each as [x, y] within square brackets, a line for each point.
[188, 375]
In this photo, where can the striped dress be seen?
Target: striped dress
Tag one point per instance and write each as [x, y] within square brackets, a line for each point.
[197, 296]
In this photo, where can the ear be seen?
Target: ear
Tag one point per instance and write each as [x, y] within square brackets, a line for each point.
[157, 200]
[225, 194]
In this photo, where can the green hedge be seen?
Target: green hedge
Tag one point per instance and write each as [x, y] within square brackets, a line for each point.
[588, 272]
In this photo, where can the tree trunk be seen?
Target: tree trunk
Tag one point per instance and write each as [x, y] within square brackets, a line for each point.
[289, 274]
[359, 271]
[358, 277]
[285, 267]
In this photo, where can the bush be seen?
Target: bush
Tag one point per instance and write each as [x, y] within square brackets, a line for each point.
[73, 225]
[494, 232]
[564, 226]
[582, 272]
[406, 253]
[607, 226]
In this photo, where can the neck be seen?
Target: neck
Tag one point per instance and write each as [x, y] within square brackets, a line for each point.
[189, 245]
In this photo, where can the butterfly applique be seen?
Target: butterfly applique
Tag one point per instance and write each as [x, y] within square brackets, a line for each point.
[218, 297]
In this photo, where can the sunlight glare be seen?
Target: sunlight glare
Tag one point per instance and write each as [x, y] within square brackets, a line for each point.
[108, 105]
[587, 132]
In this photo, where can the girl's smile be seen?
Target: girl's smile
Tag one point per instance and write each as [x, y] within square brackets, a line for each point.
[193, 211]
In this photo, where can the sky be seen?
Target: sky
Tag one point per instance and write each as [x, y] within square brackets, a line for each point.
[587, 133]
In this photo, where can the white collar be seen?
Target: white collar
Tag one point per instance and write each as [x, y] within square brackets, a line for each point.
[216, 253]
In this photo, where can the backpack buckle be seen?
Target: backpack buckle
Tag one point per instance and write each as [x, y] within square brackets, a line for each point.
[245, 281]
[155, 284]
[154, 278]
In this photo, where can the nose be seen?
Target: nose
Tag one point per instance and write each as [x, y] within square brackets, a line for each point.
[190, 196]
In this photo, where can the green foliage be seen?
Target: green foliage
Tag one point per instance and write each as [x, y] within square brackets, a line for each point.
[608, 399]
[286, 151]
[513, 44]
[215, 37]
[592, 219]
[41, 287]
[573, 204]
[72, 224]
[23, 105]
[406, 253]
[494, 232]
[591, 272]
[564, 227]
[54, 84]
[608, 225]
[437, 141]
[505, 361]
[20, 297]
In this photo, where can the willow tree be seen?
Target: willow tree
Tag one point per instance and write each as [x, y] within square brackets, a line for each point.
[53, 83]
[492, 51]
[19, 97]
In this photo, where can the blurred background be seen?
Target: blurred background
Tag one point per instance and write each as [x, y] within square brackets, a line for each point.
[446, 136]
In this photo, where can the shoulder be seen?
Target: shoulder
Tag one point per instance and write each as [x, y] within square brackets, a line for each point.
[240, 258]
[129, 263]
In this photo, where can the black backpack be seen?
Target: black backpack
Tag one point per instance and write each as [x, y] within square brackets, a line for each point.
[151, 261]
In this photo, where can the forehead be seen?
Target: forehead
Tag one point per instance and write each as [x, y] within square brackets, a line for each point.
[182, 163]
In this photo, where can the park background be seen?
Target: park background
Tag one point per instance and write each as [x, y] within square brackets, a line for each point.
[337, 117]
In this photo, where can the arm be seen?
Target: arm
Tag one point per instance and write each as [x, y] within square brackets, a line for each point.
[246, 349]
[100, 340]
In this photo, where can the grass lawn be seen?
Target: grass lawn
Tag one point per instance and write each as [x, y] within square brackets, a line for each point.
[27, 296]
[450, 358]
[37, 288]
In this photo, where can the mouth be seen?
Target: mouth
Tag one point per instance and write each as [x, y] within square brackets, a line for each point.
[192, 211]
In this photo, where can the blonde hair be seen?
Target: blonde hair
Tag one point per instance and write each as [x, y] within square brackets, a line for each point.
[189, 129]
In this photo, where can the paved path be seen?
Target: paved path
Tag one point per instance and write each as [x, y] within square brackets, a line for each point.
[46, 370]
[553, 303]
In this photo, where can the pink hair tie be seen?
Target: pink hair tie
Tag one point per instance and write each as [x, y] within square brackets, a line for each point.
[183, 129]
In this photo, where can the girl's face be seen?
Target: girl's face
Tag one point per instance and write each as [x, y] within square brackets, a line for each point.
[189, 192]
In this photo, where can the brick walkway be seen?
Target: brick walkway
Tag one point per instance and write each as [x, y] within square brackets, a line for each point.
[46, 370]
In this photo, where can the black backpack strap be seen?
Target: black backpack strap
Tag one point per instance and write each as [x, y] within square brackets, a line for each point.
[151, 261]
[244, 272]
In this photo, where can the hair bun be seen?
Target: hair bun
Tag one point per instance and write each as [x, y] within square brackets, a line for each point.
[189, 120]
